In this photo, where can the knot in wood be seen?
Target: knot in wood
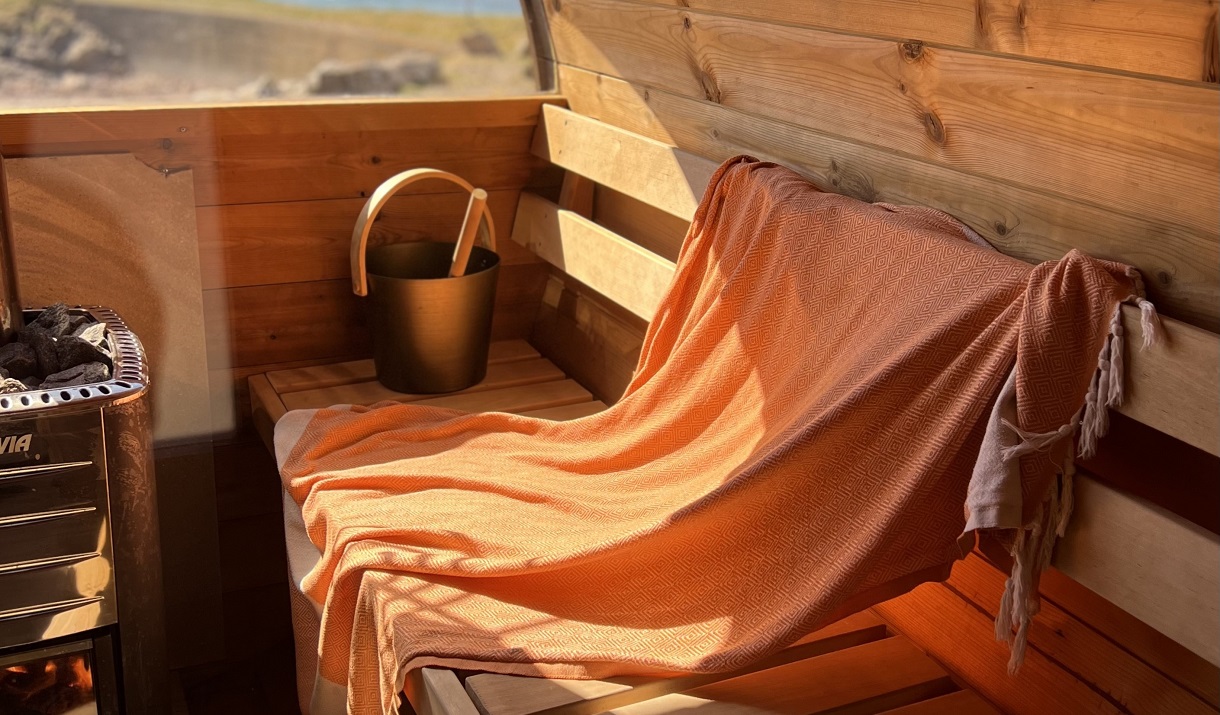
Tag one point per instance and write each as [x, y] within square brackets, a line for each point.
[934, 127]
[710, 90]
[911, 50]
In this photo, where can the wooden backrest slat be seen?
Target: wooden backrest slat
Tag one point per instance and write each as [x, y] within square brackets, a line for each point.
[631, 276]
[1174, 388]
[1149, 562]
[669, 179]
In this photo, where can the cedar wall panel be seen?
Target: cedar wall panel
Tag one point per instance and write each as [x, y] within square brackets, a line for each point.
[277, 189]
[1043, 124]
[1037, 155]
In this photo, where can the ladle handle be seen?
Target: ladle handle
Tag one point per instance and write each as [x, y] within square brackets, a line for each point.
[474, 216]
[382, 194]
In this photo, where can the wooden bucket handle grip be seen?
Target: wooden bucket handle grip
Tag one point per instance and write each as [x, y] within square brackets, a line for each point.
[382, 194]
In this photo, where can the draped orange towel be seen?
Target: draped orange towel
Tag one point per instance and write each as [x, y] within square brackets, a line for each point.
[796, 445]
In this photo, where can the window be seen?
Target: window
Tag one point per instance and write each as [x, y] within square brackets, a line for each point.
[57, 53]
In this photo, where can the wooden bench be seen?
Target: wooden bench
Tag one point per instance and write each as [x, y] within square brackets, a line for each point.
[1143, 559]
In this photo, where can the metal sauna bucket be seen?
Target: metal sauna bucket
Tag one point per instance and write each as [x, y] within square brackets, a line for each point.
[431, 331]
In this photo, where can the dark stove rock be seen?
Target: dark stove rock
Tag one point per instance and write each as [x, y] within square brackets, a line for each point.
[18, 360]
[79, 375]
[68, 349]
[78, 351]
[43, 346]
[54, 320]
[77, 323]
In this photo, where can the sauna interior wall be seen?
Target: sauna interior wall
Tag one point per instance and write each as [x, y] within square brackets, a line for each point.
[277, 190]
[1043, 124]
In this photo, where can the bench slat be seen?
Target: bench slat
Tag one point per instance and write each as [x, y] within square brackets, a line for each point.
[525, 398]
[504, 374]
[568, 412]
[867, 678]
[345, 373]
[519, 695]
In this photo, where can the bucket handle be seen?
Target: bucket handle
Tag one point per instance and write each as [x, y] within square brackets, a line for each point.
[382, 194]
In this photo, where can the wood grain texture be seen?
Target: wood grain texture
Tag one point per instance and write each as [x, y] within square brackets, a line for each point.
[505, 374]
[1122, 676]
[643, 225]
[961, 638]
[567, 412]
[963, 702]
[1150, 146]
[525, 398]
[588, 337]
[1175, 386]
[1152, 564]
[1181, 264]
[267, 324]
[667, 178]
[867, 678]
[516, 695]
[345, 373]
[435, 691]
[298, 241]
[1145, 642]
[283, 152]
[1158, 37]
[631, 276]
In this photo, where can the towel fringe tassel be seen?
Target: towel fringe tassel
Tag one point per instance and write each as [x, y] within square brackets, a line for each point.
[1034, 545]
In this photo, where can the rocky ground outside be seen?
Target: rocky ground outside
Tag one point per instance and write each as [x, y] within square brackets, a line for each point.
[49, 56]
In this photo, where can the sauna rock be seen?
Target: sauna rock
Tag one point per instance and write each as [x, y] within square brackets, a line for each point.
[56, 349]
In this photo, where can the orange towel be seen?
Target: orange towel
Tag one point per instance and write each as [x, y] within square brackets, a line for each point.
[795, 445]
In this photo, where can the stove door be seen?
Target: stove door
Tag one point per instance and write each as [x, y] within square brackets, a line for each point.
[57, 680]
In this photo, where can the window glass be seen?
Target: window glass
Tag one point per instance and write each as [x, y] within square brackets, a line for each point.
[57, 53]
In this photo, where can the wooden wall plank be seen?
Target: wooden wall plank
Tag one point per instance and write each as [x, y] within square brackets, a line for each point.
[1182, 265]
[266, 324]
[301, 167]
[1150, 145]
[27, 132]
[297, 241]
[1159, 37]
